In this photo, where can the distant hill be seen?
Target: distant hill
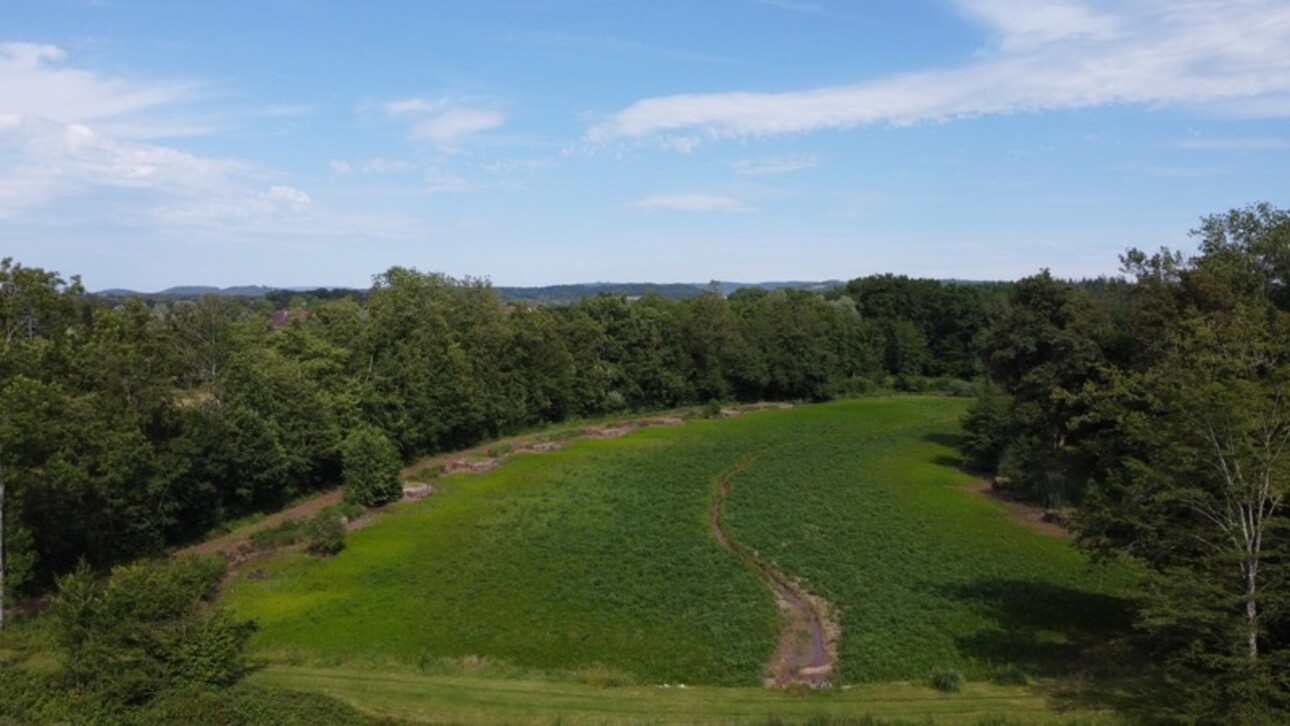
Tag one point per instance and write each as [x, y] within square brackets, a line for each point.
[540, 294]
[183, 292]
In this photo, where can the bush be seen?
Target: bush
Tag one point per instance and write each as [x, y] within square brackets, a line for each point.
[370, 468]
[1011, 675]
[325, 533]
[148, 627]
[947, 681]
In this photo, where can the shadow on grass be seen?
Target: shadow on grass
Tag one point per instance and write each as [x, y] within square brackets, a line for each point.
[1081, 643]
[951, 441]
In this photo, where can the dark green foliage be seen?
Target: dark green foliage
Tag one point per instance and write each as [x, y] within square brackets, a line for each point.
[370, 466]
[1160, 404]
[148, 627]
[32, 698]
[987, 430]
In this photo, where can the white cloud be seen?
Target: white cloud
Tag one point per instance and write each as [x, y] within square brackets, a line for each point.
[372, 166]
[289, 196]
[1254, 143]
[444, 183]
[779, 165]
[34, 83]
[405, 106]
[444, 122]
[449, 128]
[1025, 25]
[692, 203]
[51, 160]
[1226, 56]
[683, 144]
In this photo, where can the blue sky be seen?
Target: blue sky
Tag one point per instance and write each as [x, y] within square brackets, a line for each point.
[301, 142]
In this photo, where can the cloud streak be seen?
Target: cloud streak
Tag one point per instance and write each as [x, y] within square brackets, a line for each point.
[443, 122]
[1046, 55]
[33, 82]
[692, 203]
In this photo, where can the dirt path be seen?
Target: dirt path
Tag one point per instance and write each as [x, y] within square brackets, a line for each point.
[808, 638]
[231, 543]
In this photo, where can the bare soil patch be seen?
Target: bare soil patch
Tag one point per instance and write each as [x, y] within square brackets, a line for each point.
[413, 491]
[610, 432]
[472, 466]
[539, 448]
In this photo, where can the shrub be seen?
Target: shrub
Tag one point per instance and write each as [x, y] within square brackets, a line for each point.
[146, 628]
[325, 533]
[1011, 675]
[370, 468]
[947, 681]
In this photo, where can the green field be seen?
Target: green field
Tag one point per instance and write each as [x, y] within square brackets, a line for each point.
[596, 562]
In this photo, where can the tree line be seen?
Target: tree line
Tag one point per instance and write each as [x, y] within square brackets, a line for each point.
[1160, 405]
[129, 427]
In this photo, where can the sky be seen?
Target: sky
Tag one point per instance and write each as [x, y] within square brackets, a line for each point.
[530, 142]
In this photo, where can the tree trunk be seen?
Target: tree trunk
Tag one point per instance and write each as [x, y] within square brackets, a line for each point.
[1252, 607]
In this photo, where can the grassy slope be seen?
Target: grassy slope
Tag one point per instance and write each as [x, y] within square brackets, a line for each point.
[864, 502]
[600, 555]
[593, 555]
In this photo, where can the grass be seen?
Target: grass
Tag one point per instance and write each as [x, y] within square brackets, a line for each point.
[593, 555]
[865, 503]
[470, 700]
[595, 563]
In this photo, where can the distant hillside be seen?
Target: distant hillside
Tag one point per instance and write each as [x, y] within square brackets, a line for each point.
[194, 291]
[540, 294]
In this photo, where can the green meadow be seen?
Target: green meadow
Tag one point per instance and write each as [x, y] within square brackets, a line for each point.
[596, 563]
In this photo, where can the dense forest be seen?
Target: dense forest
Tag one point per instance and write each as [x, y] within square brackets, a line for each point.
[1155, 406]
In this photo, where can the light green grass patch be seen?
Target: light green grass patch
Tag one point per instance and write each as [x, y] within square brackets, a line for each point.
[474, 700]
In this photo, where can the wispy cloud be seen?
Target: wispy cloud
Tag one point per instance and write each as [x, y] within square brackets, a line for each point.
[375, 165]
[35, 82]
[70, 133]
[777, 165]
[449, 128]
[443, 122]
[692, 203]
[1254, 143]
[1046, 55]
[605, 44]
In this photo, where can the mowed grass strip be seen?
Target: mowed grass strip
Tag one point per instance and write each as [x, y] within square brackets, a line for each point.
[472, 700]
[865, 503]
[599, 558]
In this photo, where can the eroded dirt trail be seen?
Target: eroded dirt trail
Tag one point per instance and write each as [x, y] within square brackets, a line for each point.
[808, 637]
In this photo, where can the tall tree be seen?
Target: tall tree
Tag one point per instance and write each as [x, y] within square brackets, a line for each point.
[36, 309]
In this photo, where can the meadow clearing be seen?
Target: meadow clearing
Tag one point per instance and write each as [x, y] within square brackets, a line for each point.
[593, 570]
